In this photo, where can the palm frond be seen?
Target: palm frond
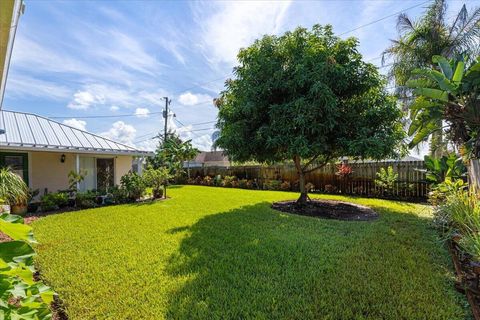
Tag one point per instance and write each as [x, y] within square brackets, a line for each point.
[404, 23]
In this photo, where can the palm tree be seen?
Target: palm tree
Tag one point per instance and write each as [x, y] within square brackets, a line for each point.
[419, 40]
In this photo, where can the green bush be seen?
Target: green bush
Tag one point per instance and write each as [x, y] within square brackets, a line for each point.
[460, 213]
[118, 195]
[217, 181]
[134, 186]
[229, 182]
[272, 184]
[155, 179]
[54, 201]
[207, 181]
[386, 179]
[86, 199]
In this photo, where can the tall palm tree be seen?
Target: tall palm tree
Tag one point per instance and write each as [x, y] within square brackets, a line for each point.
[431, 34]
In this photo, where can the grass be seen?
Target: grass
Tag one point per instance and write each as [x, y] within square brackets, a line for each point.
[214, 253]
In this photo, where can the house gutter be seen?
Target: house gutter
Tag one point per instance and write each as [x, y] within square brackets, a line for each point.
[10, 11]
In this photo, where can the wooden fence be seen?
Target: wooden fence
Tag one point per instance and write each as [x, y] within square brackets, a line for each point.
[410, 184]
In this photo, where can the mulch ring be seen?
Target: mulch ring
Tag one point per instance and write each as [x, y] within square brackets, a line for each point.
[328, 209]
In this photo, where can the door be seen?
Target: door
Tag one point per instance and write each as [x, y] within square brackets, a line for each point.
[105, 178]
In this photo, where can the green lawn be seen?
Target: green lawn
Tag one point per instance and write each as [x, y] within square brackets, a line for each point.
[214, 253]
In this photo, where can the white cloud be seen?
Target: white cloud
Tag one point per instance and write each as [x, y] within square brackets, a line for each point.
[83, 100]
[114, 108]
[235, 24]
[142, 112]
[121, 132]
[79, 124]
[190, 99]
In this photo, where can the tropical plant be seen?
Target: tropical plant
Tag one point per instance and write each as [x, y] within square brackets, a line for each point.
[75, 178]
[54, 201]
[21, 296]
[296, 96]
[172, 153]
[438, 169]
[155, 179]
[86, 200]
[344, 171]
[449, 99]
[133, 185]
[13, 190]
[386, 180]
[431, 35]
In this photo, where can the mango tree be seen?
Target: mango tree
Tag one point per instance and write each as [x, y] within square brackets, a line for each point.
[306, 96]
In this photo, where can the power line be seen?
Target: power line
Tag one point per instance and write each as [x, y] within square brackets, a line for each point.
[383, 18]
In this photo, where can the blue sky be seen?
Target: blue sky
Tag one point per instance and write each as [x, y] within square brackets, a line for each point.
[79, 59]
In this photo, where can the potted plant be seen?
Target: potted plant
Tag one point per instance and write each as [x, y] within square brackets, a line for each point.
[13, 191]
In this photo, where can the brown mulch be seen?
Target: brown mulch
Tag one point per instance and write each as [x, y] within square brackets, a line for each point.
[328, 209]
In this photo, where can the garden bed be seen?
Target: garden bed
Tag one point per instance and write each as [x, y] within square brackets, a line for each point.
[328, 209]
[468, 275]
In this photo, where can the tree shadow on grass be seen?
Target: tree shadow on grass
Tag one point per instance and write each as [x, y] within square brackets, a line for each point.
[254, 262]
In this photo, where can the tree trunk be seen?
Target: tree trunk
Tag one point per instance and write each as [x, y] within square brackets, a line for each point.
[437, 143]
[302, 200]
[474, 175]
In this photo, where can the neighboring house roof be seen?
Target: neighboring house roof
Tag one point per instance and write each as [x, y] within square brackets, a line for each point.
[32, 132]
[10, 11]
[210, 158]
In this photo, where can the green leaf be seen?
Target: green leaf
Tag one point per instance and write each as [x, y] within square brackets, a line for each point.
[15, 251]
[444, 65]
[458, 76]
[432, 93]
[17, 231]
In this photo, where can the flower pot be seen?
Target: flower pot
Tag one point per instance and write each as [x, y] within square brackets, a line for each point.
[19, 209]
[4, 208]
[33, 207]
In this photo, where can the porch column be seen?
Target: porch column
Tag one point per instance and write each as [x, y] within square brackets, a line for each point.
[77, 168]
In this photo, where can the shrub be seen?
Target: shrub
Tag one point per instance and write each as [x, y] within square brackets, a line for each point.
[329, 188]
[309, 186]
[460, 213]
[272, 184]
[133, 185]
[344, 171]
[217, 181]
[118, 195]
[285, 186]
[439, 193]
[386, 179]
[54, 201]
[155, 179]
[207, 181]
[243, 183]
[86, 199]
[228, 181]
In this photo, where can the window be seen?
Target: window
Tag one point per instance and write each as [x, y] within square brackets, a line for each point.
[17, 162]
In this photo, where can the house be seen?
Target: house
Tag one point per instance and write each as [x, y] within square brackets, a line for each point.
[43, 152]
[209, 159]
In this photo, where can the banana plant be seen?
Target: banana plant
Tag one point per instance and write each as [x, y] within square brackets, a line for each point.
[447, 96]
[21, 297]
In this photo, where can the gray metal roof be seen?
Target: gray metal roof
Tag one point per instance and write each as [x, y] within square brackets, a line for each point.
[33, 132]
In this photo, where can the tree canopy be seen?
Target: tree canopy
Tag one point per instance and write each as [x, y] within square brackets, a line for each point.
[306, 96]
[432, 34]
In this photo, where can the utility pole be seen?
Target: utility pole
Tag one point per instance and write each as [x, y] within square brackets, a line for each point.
[165, 131]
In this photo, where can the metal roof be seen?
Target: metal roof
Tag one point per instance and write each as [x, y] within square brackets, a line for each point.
[33, 132]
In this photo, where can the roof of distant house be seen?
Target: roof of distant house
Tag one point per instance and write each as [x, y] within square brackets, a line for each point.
[28, 131]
